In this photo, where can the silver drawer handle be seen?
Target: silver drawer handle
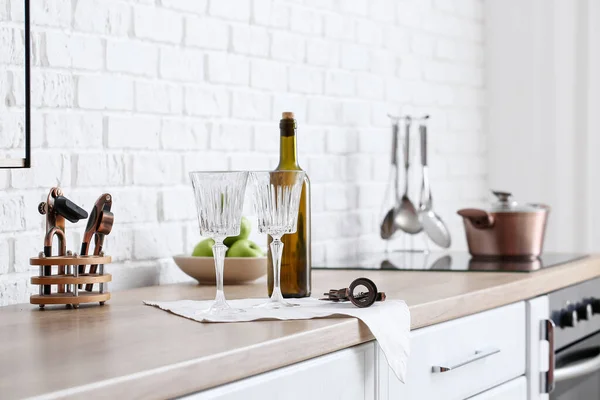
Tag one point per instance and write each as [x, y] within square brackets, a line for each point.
[477, 356]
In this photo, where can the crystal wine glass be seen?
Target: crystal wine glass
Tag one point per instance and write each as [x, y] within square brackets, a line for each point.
[219, 203]
[276, 201]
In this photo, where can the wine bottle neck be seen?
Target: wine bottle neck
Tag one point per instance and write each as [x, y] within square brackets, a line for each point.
[288, 155]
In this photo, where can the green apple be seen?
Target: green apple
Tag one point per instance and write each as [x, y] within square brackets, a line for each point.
[244, 248]
[245, 229]
[204, 248]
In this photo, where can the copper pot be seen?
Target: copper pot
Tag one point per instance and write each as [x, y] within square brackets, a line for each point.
[507, 230]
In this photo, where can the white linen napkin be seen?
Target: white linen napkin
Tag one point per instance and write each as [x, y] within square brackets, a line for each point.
[389, 321]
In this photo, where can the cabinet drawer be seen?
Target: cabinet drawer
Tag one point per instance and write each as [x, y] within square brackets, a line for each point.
[345, 374]
[480, 351]
[513, 390]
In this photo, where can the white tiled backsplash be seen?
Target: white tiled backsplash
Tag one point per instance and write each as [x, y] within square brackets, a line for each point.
[128, 96]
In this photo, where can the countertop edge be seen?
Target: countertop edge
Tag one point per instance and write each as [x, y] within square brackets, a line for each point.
[203, 373]
[208, 372]
[534, 285]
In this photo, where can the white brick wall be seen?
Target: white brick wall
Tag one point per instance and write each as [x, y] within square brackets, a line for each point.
[130, 95]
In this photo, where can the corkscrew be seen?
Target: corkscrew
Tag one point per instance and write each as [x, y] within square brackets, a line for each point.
[360, 299]
[57, 208]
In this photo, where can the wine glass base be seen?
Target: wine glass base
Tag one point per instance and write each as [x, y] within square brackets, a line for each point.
[220, 310]
[275, 304]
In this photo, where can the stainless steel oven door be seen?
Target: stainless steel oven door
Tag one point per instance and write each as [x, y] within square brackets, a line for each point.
[577, 371]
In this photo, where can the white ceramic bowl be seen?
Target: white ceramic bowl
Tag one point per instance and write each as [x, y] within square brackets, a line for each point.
[238, 270]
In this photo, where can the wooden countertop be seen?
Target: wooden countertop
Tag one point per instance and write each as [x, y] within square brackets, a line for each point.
[126, 348]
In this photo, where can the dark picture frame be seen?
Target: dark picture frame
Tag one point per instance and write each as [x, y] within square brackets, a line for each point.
[24, 162]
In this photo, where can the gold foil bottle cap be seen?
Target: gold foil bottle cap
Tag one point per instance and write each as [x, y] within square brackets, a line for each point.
[287, 115]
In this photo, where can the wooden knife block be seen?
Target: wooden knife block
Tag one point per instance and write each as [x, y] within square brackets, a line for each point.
[65, 287]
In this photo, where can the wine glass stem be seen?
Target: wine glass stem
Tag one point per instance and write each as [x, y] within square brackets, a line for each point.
[219, 250]
[276, 251]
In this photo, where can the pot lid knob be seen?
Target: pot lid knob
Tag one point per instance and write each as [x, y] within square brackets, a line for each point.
[503, 197]
[504, 202]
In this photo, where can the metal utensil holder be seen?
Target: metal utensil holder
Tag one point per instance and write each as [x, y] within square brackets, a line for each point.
[64, 286]
[400, 234]
[67, 284]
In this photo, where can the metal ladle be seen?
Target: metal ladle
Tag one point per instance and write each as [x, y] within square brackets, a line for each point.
[407, 217]
[388, 227]
[432, 224]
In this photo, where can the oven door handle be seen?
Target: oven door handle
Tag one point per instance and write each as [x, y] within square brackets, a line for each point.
[577, 369]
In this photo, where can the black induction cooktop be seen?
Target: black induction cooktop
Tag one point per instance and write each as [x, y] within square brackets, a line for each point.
[449, 261]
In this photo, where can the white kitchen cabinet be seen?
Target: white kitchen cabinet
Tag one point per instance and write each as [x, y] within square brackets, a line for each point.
[482, 351]
[498, 354]
[345, 375]
[513, 390]
[537, 347]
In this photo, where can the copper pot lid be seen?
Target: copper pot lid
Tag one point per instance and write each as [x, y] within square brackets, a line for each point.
[505, 204]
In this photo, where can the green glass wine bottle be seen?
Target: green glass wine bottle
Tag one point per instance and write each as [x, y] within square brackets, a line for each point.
[296, 257]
